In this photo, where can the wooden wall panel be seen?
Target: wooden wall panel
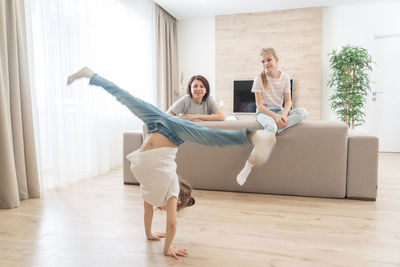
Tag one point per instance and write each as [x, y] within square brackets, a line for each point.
[295, 34]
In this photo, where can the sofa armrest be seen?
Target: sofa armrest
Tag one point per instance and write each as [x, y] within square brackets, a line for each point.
[362, 166]
[132, 141]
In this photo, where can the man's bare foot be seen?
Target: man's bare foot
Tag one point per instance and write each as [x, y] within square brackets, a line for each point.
[84, 72]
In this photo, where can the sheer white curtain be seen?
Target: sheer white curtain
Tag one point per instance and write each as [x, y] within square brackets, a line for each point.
[80, 127]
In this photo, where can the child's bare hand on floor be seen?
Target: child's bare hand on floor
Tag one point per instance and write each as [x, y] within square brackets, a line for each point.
[175, 252]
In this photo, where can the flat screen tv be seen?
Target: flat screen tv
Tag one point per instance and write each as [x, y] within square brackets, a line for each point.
[243, 99]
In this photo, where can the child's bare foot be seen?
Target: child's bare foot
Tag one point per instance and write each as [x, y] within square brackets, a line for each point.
[84, 72]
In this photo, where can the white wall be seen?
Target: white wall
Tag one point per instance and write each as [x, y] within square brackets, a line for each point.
[355, 25]
[196, 48]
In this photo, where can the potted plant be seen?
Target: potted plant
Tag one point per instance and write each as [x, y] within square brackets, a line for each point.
[350, 83]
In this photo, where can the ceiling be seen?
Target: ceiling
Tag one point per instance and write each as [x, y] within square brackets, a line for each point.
[194, 9]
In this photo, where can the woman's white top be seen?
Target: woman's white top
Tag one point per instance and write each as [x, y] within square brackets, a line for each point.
[278, 87]
[155, 170]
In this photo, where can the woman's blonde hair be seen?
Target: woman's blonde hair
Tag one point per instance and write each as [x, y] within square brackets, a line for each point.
[262, 75]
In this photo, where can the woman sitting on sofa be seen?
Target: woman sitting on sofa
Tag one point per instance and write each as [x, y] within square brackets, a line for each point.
[197, 105]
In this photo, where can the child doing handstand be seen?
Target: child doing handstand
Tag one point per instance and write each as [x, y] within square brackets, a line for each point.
[154, 163]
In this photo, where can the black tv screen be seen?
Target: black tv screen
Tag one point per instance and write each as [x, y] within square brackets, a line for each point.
[244, 100]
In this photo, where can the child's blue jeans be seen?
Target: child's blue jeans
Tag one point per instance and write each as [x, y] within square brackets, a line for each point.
[176, 129]
[295, 116]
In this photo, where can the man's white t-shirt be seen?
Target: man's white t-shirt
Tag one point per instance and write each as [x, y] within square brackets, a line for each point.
[278, 87]
[155, 170]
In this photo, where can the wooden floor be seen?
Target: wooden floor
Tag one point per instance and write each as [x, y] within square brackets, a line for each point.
[99, 222]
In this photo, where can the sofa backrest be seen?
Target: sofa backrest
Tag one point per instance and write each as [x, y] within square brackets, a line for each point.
[309, 160]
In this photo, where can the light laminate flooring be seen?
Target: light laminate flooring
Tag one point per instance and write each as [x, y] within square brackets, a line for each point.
[99, 222]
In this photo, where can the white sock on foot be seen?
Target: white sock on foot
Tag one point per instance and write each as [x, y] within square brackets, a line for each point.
[263, 143]
[84, 72]
[244, 173]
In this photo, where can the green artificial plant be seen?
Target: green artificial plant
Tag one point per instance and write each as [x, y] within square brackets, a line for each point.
[350, 83]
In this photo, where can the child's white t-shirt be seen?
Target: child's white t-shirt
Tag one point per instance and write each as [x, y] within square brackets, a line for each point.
[155, 170]
[278, 87]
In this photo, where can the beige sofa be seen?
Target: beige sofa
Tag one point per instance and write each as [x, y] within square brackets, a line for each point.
[318, 159]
